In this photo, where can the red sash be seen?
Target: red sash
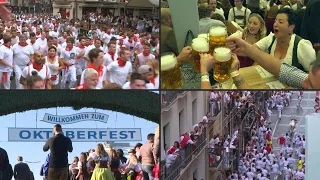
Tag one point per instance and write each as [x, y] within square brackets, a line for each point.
[4, 78]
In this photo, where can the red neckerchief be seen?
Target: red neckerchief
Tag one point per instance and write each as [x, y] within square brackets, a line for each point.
[51, 57]
[99, 70]
[56, 45]
[64, 37]
[37, 67]
[37, 33]
[121, 62]
[6, 45]
[55, 30]
[112, 55]
[153, 81]
[68, 49]
[124, 36]
[146, 54]
[22, 44]
[81, 47]
[130, 41]
[8, 27]
[142, 42]
[82, 86]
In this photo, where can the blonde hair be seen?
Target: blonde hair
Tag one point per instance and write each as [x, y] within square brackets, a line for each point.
[154, 64]
[262, 31]
[100, 151]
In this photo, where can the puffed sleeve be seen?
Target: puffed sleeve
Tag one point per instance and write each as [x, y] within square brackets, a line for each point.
[306, 54]
[264, 43]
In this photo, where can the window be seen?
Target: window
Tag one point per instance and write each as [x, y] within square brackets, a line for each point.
[166, 135]
[181, 122]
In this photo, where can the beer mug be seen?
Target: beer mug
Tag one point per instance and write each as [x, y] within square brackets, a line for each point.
[170, 72]
[205, 36]
[222, 55]
[198, 45]
[217, 37]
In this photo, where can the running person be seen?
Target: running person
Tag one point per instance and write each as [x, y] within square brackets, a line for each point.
[55, 64]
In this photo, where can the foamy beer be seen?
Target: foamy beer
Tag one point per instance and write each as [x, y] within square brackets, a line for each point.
[198, 45]
[217, 37]
[222, 55]
[205, 36]
[170, 72]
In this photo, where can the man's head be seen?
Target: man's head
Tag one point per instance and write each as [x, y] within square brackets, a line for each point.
[166, 17]
[13, 32]
[34, 81]
[70, 42]
[238, 3]
[96, 56]
[204, 11]
[57, 129]
[137, 81]
[43, 35]
[23, 39]
[82, 41]
[91, 78]
[50, 41]
[150, 137]
[97, 43]
[112, 47]
[38, 58]
[146, 72]
[20, 158]
[7, 38]
[213, 5]
[125, 54]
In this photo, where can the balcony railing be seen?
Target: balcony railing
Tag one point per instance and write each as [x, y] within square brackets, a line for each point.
[167, 97]
[185, 157]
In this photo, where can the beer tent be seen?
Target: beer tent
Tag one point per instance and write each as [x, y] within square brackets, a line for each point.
[142, 3]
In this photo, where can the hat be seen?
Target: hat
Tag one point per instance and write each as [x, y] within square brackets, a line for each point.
[194, 126]
[144, 69]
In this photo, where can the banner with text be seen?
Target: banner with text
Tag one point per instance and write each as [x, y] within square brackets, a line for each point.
[85, 116]
[76, 135]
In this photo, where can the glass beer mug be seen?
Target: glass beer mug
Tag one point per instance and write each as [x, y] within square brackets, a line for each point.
[171, 77]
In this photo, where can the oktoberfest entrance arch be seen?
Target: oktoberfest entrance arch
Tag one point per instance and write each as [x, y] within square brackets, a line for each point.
[143, 104]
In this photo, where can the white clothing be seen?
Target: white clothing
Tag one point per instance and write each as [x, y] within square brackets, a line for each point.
[305, 52]
[237, 12]
[148, 86]
[41, 42]
[53, 72]
[119, 74]
[102, 77]
[143, 59]
[107, 59]
[219, 11]
[21, 54]
[35, 46]
[44, 73]
[6, 54]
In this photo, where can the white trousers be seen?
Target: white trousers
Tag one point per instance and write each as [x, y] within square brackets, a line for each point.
[71, 75]
[6, 85]
[18, 72]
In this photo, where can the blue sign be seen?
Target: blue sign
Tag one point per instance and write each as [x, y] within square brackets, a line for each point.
[85, 116]
[76, 135]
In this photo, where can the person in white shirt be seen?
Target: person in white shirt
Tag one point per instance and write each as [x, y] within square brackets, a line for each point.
[14, 37]
[136, 82]
[32, 42]
[96, 44]
[22, 56]
[106, 39]
[96, 63]
[63, 39]
[44, 48]
[80, 61]
[42, 40]
[146, 72]
[111, 55]
[91, 78]
[6, 61]
[275, 170]
[144, 56]
[55, 65]
[42, 70]
[120, 70]
[300, 175]
[214, 9]
[68, 55]
[154, 64]
[55, 32]
[239, 14]
[280, 108]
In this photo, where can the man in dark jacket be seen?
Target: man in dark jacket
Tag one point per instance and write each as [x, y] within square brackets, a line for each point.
[6, 172]
[168, 41]
[59, 146]
[21, 170]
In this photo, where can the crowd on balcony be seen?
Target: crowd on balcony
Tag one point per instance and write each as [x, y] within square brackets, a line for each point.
[258, 161]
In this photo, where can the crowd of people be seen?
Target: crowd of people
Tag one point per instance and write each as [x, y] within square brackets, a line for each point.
[97, 52]
[277, 35]
[100, 163]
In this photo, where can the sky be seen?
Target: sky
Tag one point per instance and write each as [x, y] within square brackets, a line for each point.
[32, 151]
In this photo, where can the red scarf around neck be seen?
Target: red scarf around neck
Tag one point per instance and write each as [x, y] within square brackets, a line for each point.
[99, 70]
[112, 55]
[153, 81]
[130, 41]
[51, 57]
[146, 54]
[142, 42]
[82, 86]
[121, 62]
[68, 49]
[37, 33]
[23, 45]
[6, 45]
[80, 46]
[37, 66]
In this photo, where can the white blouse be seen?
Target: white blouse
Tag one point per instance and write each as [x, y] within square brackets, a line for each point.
[306, 54]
